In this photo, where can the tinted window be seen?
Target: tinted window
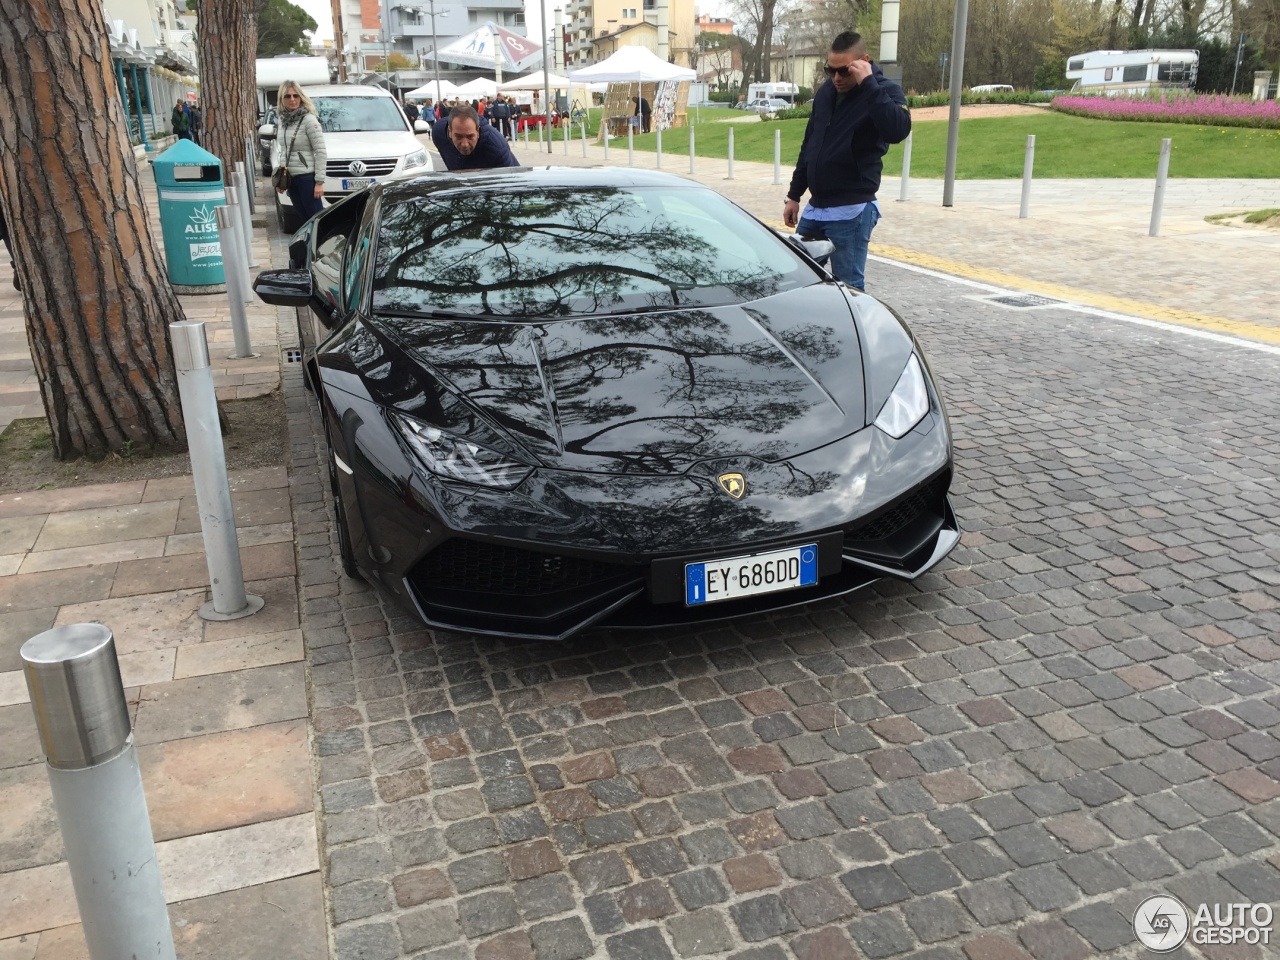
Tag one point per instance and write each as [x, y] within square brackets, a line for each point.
[1134, 74]
[1075, 65]
[345, 114]
[333, 231]
[1176, 73]
[550, 253]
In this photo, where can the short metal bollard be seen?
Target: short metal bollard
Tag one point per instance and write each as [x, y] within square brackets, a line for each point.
[584, 139]
[606, 142]
[240, 180]
[237, 295]
[566, 128]
[209, 468]
[1028, 163]
[526, 136]
[251, 166]
[691, 139]
[730, 177]
[235, 227]
[77, 696]
[659, 162]
[906, 169]
[777, 156]
[631, 143]
[1162, 177]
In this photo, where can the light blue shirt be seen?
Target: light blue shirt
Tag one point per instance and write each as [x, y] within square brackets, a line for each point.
[827, 214]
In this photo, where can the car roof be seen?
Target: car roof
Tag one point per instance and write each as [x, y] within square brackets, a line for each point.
[345, 90]
[519, 178]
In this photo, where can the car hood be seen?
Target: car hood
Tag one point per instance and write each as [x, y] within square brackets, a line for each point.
[652, 393]
[363, 145]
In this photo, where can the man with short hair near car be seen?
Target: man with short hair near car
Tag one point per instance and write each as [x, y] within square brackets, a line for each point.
[856, 115]
[468, 142]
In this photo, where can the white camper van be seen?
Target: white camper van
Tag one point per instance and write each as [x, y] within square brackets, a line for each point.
[1116, 72]
[773, 91]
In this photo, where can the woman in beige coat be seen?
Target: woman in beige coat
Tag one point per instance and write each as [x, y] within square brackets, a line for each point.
[302, 150]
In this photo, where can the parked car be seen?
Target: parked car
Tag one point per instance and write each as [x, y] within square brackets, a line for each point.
[368, 139]
[559, 398]
[765, 105]
[264, 143]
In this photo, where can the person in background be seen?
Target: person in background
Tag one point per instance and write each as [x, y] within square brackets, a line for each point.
[302, 149]
[197, 121]
[180, 121]
[466, 142]
[856, 115]
[411, 111]
[644, 112]
[500, 114]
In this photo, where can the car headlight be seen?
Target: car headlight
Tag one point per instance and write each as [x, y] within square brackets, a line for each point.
[908, 403]
[454, 458]
[418, 159]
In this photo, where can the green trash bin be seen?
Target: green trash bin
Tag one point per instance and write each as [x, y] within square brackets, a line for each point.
[189, 181]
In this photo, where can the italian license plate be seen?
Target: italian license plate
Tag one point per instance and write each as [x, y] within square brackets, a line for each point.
[714, 580]
[358, 183]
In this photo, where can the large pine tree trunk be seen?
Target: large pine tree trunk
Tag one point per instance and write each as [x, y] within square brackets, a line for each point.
[96, 297]
[228, 43]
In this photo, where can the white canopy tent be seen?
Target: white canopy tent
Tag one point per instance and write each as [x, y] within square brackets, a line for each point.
[664, 84]
[634, 65]
[445, 89]
[479, 87]
[535, 81]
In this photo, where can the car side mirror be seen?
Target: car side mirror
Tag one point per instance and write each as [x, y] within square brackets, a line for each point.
[818, 250]
[267, 131]
[421, 126]
[284, 288]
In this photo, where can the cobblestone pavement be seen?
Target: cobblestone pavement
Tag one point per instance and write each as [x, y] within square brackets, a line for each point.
[1080, 708]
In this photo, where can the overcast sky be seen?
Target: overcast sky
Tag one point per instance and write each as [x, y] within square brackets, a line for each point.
[322, 12]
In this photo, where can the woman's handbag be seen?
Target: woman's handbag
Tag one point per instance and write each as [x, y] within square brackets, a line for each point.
[280, 175]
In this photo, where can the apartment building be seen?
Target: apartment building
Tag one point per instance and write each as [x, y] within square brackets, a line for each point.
[153, 58]
[593, 29]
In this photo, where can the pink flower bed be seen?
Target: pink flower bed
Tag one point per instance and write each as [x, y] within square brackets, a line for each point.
[1173, 107]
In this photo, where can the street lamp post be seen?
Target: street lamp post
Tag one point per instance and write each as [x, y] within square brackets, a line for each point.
[435, 47]
[546, 77]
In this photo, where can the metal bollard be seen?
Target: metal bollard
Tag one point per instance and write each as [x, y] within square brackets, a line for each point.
[539, 138]
[777, 156]
[906, 169]
[1162, 177]
[1028, 162]
[77, 696]
[526, 136]
[240, 185]
[606, 142]
[209, 468]
[584, 139]
[659, 132]
[730, 177]
[250, 164]
[234, 226]
[237, 294]
[691, 138]
[566, 138]
[631, 142]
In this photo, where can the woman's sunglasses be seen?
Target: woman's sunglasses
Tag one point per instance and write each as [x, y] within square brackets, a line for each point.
[293, 96]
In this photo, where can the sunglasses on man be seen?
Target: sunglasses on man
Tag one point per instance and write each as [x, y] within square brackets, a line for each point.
[846, 71]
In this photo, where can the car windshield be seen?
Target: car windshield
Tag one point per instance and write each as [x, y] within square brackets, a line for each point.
[575, 251]
[348, 114]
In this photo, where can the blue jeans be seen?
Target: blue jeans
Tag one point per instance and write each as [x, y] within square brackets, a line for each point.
[850, 239]
[302, 193]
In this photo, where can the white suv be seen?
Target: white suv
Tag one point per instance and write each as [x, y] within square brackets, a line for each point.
[367, 137]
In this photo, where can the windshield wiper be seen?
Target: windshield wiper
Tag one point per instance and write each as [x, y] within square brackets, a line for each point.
[432, 314]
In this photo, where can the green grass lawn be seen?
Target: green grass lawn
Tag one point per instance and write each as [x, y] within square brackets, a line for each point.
[993, 148]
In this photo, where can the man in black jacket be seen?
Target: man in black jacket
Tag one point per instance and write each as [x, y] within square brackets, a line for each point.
[855, 117]
[467, 141]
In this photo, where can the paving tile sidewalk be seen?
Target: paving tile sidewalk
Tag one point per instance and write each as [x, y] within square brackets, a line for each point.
[220, 709]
